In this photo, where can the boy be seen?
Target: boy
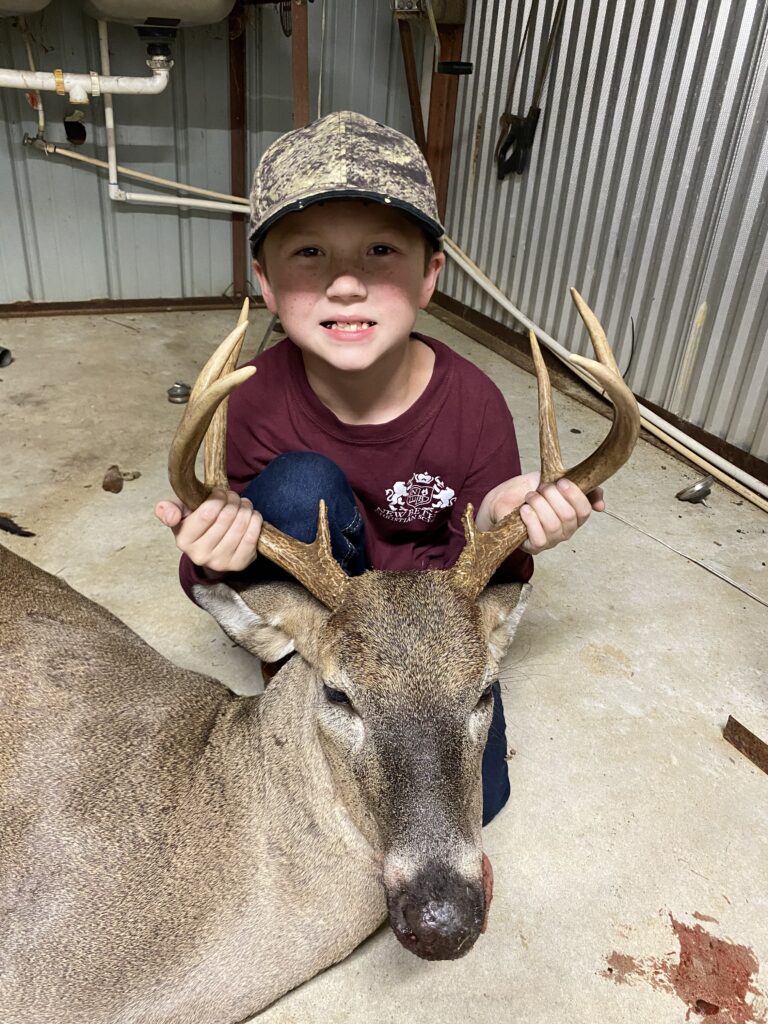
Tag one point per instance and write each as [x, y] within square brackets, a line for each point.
[394, 430]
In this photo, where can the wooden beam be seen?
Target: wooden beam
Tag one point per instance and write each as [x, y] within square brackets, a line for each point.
[300, 63]
[442, 114]
[412, 80]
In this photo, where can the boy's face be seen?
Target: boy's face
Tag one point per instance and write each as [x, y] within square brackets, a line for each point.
[353, 261]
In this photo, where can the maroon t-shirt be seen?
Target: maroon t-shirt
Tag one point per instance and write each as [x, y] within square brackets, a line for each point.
[412, 477]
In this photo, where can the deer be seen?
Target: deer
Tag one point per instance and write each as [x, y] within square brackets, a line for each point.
[172, 853]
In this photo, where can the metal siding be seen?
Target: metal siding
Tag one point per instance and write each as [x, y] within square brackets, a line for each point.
[66, 240]
[646, 190]
[363, 68]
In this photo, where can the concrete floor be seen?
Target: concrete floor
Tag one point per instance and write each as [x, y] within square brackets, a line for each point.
[631, 865]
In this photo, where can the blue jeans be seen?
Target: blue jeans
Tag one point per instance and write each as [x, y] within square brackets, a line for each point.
[287, 492]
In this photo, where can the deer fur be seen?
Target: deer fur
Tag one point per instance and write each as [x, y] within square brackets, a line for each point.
[171, 853]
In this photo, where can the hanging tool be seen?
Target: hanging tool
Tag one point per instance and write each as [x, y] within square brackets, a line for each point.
[513, 150]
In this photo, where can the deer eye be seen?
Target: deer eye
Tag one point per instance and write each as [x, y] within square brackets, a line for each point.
[335, 696]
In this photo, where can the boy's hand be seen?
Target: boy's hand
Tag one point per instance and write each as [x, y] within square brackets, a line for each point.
[220, 536]
[551, 513]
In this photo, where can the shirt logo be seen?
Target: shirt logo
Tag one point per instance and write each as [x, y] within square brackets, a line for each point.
[422, 497]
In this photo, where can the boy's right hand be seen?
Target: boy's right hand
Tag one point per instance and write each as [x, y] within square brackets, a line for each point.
[220, 536]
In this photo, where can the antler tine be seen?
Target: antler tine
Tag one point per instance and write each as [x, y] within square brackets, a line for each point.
[549, 443]
[484, 551]
[191, 430]
[596, 333]
[215, 456]
[625, 428]
[313, 565]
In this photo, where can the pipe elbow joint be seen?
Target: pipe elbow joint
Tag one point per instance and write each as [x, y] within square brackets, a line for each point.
[78, 94]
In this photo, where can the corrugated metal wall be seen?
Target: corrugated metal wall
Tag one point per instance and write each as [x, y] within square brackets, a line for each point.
[62, 239]
[646, 190]
[647, 186]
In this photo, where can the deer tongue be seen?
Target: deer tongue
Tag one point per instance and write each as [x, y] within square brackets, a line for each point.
[487, 889]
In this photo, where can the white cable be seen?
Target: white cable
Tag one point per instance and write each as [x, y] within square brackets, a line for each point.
[696, 561]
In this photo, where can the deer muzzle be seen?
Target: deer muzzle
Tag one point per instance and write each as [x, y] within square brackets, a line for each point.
[439, 913]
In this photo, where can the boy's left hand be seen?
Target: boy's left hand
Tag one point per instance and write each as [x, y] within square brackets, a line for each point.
[551, 513]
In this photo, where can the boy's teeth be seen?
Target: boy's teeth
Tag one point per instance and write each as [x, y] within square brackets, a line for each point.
[350, 327]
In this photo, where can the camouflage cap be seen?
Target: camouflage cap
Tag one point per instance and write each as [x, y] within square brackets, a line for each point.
[343, 156]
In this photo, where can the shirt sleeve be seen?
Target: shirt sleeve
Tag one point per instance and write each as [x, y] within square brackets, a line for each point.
[190, 575]
[495, 460]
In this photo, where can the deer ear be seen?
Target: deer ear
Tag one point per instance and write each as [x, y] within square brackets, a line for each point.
[501, 607]
[269, 620]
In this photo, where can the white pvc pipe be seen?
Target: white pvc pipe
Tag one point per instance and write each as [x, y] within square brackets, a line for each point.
[115, 192]
[109, 119]
[54, 149]
[197, 204]
[80, 87]
[661, 426]
[31, 62]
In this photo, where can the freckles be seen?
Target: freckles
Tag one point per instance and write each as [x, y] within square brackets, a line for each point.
[295, 297]
[394, 287]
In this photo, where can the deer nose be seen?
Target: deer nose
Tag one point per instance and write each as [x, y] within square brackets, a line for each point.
[437, 916]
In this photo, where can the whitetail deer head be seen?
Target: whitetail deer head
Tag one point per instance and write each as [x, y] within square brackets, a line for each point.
[401, 663]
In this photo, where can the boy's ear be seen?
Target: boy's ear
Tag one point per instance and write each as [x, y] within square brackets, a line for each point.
[266, 290]
[435, 265]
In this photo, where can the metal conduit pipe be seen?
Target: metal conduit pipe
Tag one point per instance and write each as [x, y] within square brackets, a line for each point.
[732, 476]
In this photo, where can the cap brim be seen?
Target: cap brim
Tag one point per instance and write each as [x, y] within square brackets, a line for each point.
[432, 227]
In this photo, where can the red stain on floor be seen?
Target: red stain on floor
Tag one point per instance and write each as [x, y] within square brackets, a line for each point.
[712, 976]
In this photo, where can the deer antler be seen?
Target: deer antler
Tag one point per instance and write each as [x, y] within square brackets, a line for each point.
[484, 551]
[313, 565]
